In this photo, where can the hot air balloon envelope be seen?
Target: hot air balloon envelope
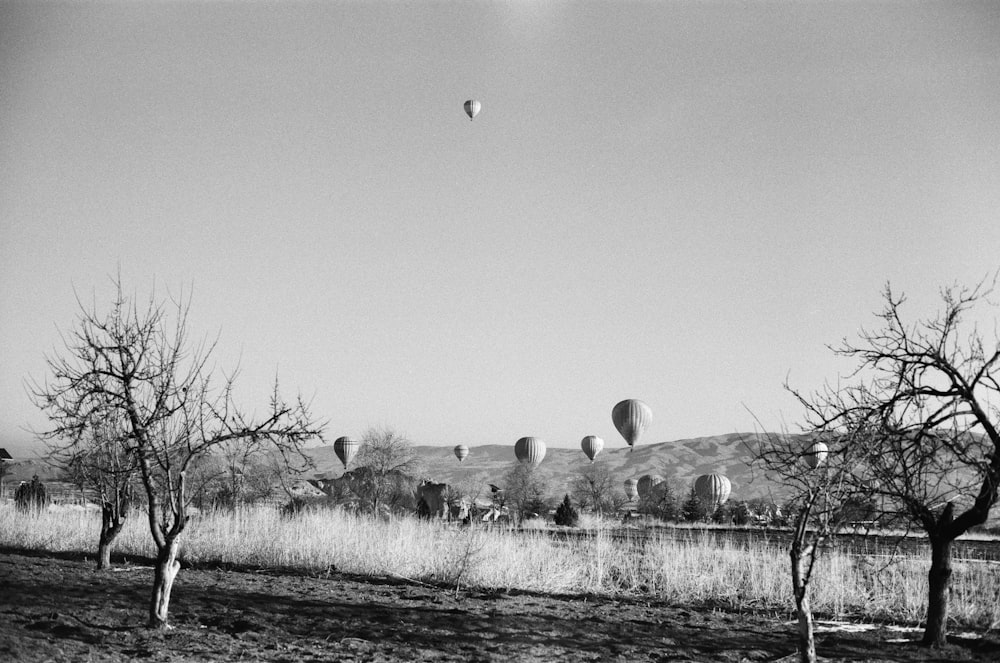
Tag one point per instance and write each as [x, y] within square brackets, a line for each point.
[631, 489]
[816, 454]
[472, 108]
[461, 451]
[631, 418]
[591, 446]
[713, 489]
[529, 450]
[345, 449]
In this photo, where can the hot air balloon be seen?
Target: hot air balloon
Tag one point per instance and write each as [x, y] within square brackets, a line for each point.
[529, 450]
[472, 108]
[345, 448]
[713, 489]
[816, 454]
[461, 451]
[631, 489]
[631, 418]
[591, 446]
[647, 483]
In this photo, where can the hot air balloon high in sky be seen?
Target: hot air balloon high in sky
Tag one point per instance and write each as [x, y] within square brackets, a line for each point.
[529, 450]
[461, 452]
[472, 108]
[591, 446]
[631, 418]
[345, 449]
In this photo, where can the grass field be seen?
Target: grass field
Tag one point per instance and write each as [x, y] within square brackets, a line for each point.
[705, 568]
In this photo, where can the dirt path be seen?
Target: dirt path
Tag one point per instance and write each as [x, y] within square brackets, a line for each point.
[62, 610]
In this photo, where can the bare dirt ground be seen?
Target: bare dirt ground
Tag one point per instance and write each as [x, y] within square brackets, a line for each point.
[61, 609]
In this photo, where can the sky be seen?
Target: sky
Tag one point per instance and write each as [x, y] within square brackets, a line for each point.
[680, 202]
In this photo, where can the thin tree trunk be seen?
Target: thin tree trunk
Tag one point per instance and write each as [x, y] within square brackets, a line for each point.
[806, 638]
[111, 527]
[166, 570]
[938, 580]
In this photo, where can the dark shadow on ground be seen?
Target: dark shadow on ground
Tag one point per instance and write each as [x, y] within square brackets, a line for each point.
[61, 608]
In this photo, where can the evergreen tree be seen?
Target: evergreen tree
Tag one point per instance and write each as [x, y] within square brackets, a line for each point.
[566, 515]
[693, 510]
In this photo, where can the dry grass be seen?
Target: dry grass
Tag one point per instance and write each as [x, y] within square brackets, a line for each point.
[703, 568]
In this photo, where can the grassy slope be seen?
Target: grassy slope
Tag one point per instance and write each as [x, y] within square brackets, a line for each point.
[680, 462]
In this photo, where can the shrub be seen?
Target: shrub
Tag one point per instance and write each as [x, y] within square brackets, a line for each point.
[566, 515]
[30, 496]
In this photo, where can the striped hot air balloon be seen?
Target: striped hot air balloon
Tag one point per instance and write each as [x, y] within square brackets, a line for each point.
[631, 418]
[713, 489]
[816, 454]
[591, 446]
[345, 448]
[472, 108]
[529, 450]
[631, 489]
[461, 452]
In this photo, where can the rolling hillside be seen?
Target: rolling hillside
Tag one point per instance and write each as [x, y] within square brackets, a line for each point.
[680, 462]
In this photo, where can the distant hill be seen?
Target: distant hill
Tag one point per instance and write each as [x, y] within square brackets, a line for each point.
[680, 462]
[19, 470]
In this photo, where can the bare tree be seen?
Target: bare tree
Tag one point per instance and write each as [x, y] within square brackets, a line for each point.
[660, 501]
[923, 403]
[524, 489]
[240, 472]
[822, 483]
[386, 469]
[99, 458]
[472, 489]
[135, 364]
[594, 489]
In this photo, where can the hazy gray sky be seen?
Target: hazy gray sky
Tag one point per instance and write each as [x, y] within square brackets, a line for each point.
[677, 202]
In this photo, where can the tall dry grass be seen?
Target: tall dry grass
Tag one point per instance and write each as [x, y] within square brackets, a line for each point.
[701, 568]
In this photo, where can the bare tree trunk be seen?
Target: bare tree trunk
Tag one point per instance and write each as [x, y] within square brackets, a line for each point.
[807, 641]
[166, 570]
[111, 527]
[938, 580]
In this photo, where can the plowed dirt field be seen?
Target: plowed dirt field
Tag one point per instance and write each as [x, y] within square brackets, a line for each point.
[61, 609]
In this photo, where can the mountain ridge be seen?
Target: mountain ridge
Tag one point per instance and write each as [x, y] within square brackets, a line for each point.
[680, 462]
